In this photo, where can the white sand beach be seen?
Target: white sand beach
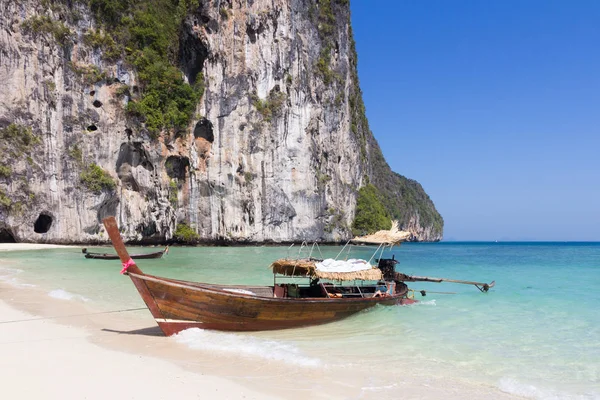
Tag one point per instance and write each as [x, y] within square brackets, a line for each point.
[45, 360]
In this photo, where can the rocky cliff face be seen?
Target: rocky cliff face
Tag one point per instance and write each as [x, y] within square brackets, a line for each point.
[276, 150]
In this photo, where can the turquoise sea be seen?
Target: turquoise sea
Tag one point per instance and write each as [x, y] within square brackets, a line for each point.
[536, 334]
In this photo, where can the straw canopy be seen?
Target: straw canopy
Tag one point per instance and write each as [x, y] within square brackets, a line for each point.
[308, 268]
[293, 267]
[393, 236]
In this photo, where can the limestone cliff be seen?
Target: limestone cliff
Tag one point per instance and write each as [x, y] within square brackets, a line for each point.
[275, 150]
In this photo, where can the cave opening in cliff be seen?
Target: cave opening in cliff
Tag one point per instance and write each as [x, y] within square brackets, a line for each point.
[192, 53]
[6, 236]
[42, 223]
[177, 167]
[204, 129]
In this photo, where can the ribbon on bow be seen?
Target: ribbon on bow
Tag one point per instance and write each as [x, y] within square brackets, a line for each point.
[126, 265]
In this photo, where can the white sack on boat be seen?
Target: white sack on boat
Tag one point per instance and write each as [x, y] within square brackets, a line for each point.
[351, 265]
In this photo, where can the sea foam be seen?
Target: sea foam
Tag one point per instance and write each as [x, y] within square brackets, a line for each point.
[64, 295]
[378, 388]
[512, 386]
[244, 345]
[9, 276]
[426, 303]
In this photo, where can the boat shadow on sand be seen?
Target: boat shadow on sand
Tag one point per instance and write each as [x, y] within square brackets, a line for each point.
[150, 331]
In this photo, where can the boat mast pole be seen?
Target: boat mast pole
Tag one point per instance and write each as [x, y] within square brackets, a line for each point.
[336, 257]
[375, 252]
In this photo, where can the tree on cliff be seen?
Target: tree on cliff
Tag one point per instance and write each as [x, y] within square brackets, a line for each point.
[371, 215]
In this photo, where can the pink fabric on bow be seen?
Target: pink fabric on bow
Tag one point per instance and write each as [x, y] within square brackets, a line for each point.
[126, 265]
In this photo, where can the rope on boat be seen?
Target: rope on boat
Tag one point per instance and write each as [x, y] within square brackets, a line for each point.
[73, 315]
[411, 293]
[424, 292]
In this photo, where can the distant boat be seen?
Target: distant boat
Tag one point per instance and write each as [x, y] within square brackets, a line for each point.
[112, 256]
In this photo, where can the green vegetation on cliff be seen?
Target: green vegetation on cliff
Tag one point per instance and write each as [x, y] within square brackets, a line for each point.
[173, 193]
[325, 18]
[19, 137]
[271, 106]
[146, 33]
[44, 25]
[185, 233]
[95, 179]
[143, 33]
[403, 198]
[17, 143]
[5, 171]
[371, 214]
[5, 201]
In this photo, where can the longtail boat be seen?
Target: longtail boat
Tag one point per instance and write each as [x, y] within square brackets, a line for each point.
[112, 256]
[177, 305]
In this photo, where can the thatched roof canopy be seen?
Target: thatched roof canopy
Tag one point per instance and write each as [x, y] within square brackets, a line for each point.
[293, 267]
[393, 236]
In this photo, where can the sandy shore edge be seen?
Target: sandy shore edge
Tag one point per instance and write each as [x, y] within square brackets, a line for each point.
[32, 246]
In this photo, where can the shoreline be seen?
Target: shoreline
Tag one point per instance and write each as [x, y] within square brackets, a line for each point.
[32, 246]
[102, 347]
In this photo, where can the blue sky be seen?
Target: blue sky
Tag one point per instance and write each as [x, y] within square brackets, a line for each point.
[493, 106]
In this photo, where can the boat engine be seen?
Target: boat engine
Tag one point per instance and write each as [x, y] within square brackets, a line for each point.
[388, 268]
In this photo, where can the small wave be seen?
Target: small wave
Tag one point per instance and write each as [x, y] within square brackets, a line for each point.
[15, 282]
[64, 295]
[426, 303]
[378, 388]
[9, 272]
[243, 345]
[512, 386]
[9, 276]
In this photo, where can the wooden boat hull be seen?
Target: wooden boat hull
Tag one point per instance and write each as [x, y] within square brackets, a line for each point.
[99, 256]
[107, 256]
[178, 305]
